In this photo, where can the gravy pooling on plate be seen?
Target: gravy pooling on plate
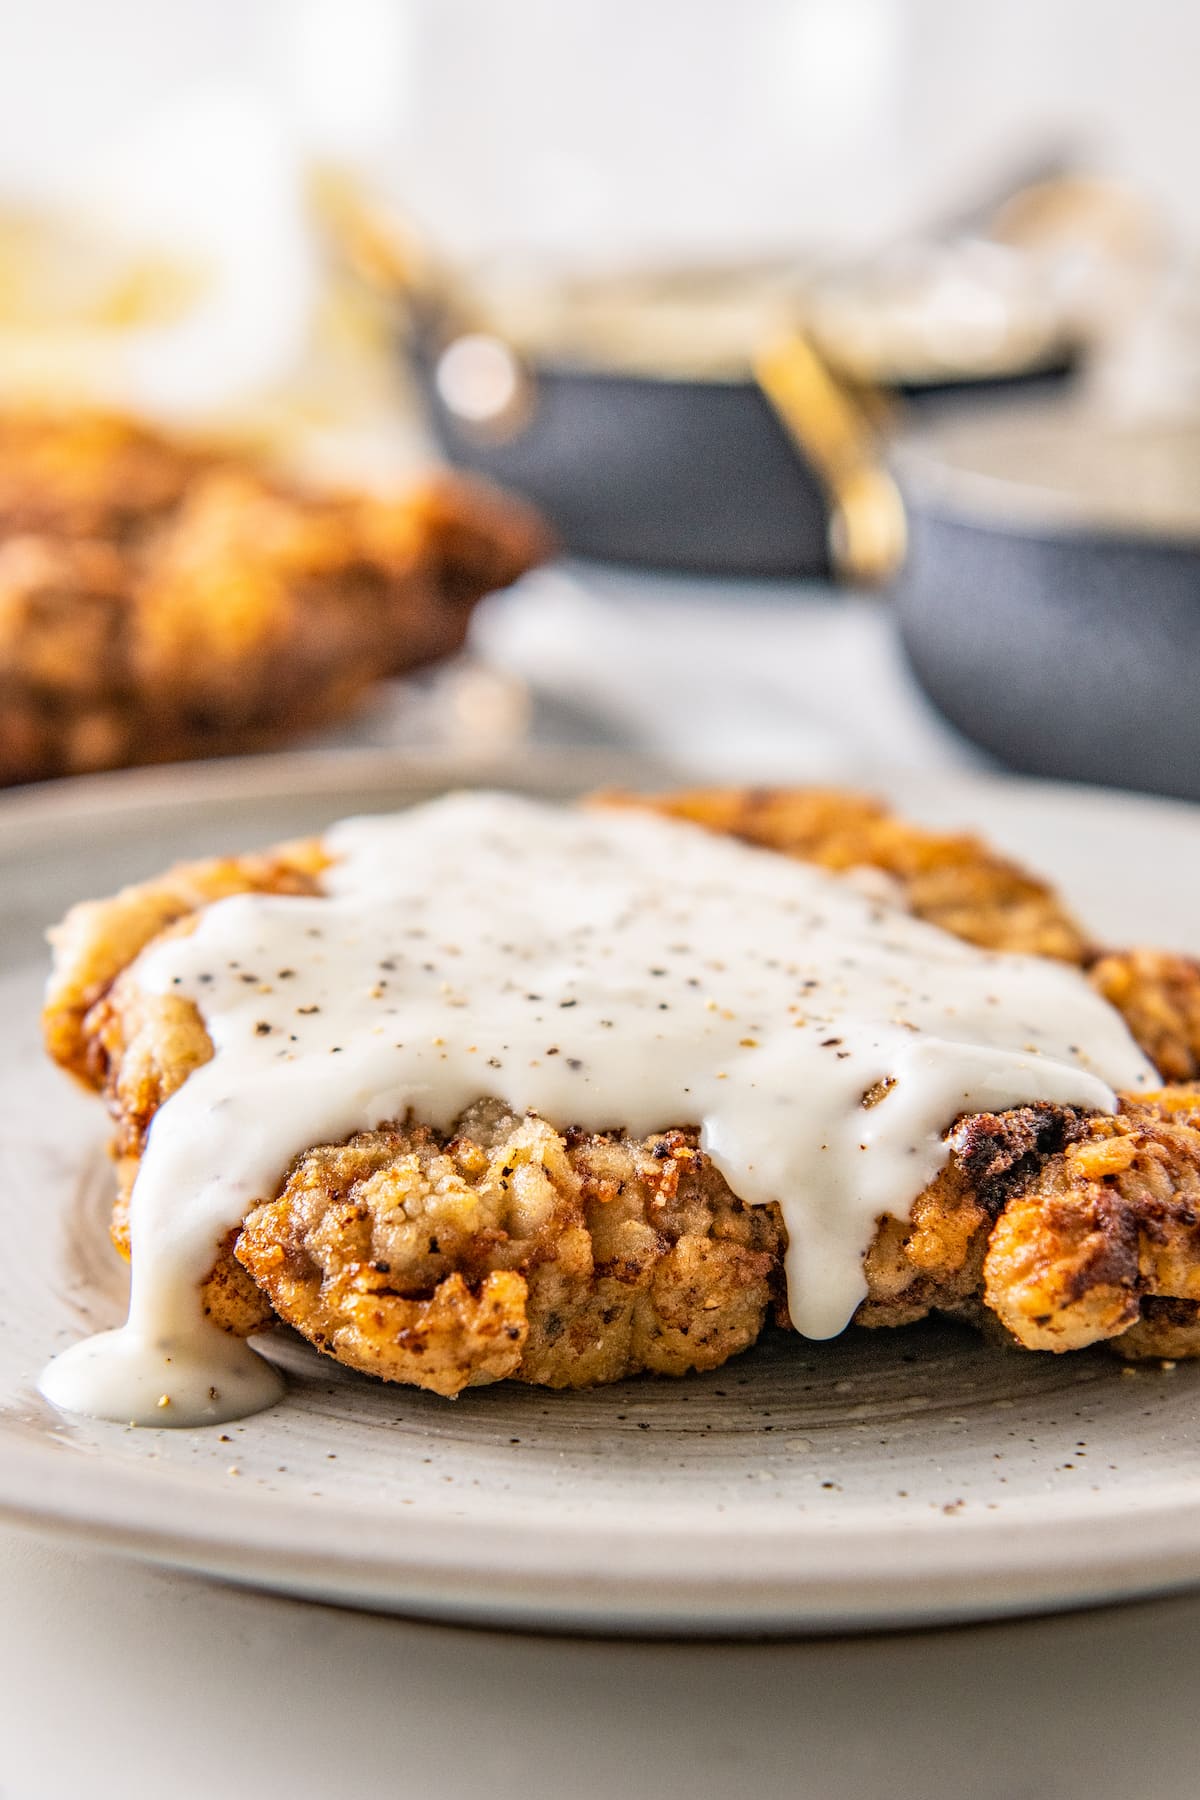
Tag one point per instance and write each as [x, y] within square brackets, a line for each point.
[601, 969]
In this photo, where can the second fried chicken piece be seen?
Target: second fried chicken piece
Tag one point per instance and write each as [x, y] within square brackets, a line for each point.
[88, 474]
[245, 613]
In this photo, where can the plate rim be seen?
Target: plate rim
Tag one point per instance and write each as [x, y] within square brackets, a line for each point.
[847, 1575]
[838, 1575]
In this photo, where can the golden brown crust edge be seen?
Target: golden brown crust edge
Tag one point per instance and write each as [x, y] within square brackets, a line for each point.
[952, 880]
[578, 1258]
[99, 939]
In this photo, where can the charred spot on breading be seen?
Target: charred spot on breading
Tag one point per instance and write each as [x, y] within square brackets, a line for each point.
[1000, 1152]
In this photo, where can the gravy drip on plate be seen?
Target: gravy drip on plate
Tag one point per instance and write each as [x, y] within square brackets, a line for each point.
[605, 969]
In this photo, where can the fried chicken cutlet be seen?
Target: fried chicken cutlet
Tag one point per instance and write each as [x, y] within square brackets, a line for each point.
[513, 1247]
[159, 601]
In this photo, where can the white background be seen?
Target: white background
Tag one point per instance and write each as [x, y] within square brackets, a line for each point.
[591, 126]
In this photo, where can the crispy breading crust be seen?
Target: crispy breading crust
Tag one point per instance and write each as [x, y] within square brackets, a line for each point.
[90, 474]
[561, 1260]
[591, 1257]
[511, 1249]
[1159, 996]
[1114, 1219]
[160, 602]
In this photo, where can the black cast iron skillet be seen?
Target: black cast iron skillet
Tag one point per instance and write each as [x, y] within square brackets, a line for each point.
[1050, 600]
[683, 474]
[745, 454]
[718, 475]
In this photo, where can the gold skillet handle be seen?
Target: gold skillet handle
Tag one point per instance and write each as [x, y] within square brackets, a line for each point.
[385, 252]
[867, 532]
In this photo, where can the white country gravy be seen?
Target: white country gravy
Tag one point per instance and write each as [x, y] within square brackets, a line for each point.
[608, 969]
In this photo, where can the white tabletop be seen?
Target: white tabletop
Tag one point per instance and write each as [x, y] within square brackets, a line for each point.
[120, 1680]
[766, 680]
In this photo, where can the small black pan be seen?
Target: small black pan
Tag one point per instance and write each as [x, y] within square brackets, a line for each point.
[1050, 600]
[741, 475]
[700, 427]
[683, 474]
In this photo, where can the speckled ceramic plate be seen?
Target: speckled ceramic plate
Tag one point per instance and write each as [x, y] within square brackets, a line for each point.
[881, 1479]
